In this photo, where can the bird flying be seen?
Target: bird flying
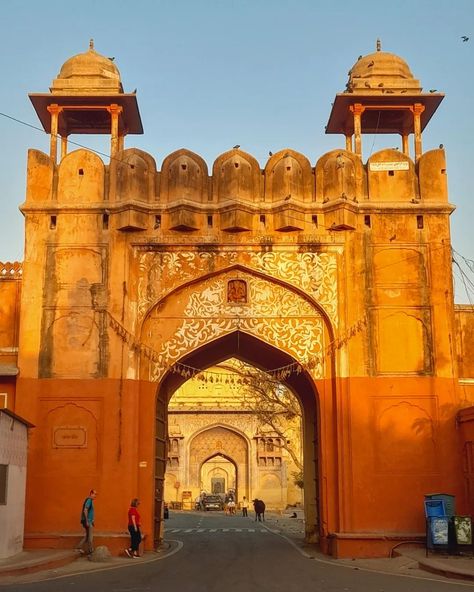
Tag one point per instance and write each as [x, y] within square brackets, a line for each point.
[464, 38]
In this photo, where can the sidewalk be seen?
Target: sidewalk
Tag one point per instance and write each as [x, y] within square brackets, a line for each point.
[407, 560]
[35, 565]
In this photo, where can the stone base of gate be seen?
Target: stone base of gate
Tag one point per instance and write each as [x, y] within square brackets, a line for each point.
[343, 545]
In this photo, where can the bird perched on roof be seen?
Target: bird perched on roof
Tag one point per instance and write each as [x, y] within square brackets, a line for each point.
[112, 59]
[370, 64]
[441, 146]
[236, 147]
[464, 38]
[432, 90]
[367, 84]
[134, 92]
[392, 238]
[270, 153]
[288, 197]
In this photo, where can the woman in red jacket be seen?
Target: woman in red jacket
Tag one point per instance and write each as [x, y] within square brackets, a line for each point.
[134, 529]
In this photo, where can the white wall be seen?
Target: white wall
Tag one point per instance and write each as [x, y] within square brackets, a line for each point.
[13, 451]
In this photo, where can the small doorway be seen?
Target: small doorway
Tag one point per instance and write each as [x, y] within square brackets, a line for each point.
[217, 485]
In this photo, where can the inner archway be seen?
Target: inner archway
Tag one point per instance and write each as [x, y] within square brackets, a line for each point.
[257, 353]
[218, 476]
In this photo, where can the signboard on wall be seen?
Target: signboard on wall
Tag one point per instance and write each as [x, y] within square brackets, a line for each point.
[402, 165]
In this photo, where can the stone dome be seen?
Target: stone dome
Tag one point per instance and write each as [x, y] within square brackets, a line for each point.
[88, 73]
[382, 72]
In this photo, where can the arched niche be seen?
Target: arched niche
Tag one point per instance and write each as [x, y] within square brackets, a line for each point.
[410, 327]
[184, 175]
[391, 177]
[81, 177]
[135, 176]
[432, 176]
[339, 175]
[288, 175]
[236, 176]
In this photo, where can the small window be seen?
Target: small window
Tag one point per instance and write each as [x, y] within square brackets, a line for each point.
[391, 173]
[81, 172]
[3, 484]
[105, 221]
[262, 219]
[367, 221]
[157, 221]
[209, 221]
[314, 220]
[184, 167]
[419, 222]
[52, 223]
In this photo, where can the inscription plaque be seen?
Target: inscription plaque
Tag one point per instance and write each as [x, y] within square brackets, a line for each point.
[69, 437]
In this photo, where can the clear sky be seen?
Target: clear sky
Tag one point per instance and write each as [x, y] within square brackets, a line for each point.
[260, 73]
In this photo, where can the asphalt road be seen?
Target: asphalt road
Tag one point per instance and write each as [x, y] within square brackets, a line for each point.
[217, 553]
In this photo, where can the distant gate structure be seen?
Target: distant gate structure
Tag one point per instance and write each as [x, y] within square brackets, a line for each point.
[334, 276]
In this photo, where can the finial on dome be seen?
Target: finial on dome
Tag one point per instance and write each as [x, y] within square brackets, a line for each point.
[379, 45]
[91, 44]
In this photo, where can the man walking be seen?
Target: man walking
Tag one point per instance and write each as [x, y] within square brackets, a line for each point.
[87, 521]
[245, 507]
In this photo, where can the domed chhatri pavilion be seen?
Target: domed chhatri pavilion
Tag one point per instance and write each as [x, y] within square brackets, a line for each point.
[333, 277]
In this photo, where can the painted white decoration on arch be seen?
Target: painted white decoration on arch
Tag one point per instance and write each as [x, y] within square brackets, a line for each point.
[162, 272]
[274, 314]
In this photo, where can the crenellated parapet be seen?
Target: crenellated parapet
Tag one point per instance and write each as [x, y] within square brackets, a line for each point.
[287, 195]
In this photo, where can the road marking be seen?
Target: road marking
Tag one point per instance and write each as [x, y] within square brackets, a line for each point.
[201, 530]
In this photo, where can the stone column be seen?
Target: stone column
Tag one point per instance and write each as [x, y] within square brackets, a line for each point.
[63, 146]
[115, 111]
[417, 110]
[54, 110]
[357, 110]
[349, 142]
[405, 147]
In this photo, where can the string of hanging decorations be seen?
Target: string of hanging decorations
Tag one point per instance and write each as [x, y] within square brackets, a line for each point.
[279, 374]
[242, 376]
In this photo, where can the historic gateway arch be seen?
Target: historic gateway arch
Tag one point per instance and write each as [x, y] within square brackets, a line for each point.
[336, 275]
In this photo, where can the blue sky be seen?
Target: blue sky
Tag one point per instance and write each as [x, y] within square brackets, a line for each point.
[263, 73]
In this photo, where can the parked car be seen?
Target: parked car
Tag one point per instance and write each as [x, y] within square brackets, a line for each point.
[212, 502]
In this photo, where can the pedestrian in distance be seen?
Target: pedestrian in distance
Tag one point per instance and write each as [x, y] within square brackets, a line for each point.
[231, 507]
[245, 507]
[87, 521]
[134, 526]
[259, 507]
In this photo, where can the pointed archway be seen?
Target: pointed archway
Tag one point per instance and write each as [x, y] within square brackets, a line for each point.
[260, 354]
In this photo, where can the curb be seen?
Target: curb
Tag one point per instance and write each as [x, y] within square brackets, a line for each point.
[40, 564]
[445, 570]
